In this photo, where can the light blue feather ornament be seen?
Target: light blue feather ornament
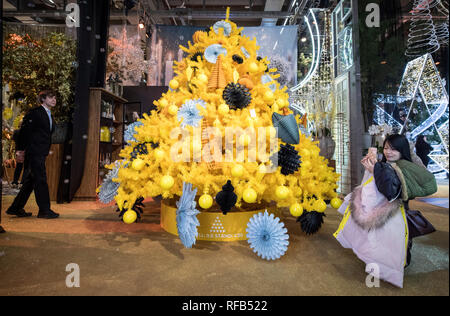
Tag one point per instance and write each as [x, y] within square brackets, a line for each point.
[267, 236]
[108, 189]
[213, 51]
[245, 52]
[130, 132]
[189, 114]
[222, 25]
[187, 221]
[266, 79]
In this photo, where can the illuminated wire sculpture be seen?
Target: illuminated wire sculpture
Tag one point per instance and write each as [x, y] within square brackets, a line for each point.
[422, 37]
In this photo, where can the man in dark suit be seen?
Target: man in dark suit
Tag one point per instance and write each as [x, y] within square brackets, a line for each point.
[32, 148]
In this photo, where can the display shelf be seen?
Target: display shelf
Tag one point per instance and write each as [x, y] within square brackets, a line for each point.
[105, 139]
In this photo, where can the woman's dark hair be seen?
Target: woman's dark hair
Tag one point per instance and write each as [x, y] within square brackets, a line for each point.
[420, 140]
[44, 94]
[399, 143]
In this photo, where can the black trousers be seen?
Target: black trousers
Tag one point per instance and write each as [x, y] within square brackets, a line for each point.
[34, 179]
[18, 172]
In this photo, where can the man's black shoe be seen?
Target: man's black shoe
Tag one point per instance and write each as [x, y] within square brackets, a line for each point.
[48, 215]
[18, 213]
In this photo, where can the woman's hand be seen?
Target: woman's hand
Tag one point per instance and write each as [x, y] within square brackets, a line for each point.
[368, 163]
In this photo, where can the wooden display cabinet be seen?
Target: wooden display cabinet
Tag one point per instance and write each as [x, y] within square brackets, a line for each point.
[103, 147]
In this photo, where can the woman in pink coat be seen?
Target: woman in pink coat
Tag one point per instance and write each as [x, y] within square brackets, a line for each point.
[374, 224]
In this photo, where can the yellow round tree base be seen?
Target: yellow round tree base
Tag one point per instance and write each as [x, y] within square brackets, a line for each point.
[214, 226]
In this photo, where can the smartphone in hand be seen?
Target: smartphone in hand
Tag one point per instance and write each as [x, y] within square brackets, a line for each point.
[373, 154]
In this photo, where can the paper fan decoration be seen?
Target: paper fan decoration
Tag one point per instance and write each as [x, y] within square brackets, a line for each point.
[189, 114]
[226, 198]
[287, 128]
[108, 189]
[187, 221]
[267, 236]
[222, 25]
[213, 51]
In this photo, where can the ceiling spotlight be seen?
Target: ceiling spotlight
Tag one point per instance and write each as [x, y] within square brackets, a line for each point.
[49, 3]
[383, 62]
[141, 26]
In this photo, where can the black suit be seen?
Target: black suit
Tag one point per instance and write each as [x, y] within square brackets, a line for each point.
[35, 139]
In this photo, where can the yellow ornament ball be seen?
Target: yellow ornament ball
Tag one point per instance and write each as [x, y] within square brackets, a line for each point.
[158, 154]
[296, 210]
[129, 217]
[336, 203]
[223, 109]
[173, 110]
[249, 195]
[282, 192]
[269, 97]
[138, 164]
[167, 182]
[237, 171]
[174, 84]
[203, 78]
[253, 68]
[244, 140]
[163, 103]
[320, 206]
[205, 201]
[281, 104]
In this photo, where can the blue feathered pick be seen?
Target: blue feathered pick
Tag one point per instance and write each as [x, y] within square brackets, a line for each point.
[267, 236]
[130, 132]
[108, 189]
[187, 221]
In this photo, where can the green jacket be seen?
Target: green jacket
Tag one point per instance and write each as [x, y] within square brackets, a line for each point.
[416, 180]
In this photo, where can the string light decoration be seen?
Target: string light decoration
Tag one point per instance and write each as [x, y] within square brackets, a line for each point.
[442, 33]
[421, 82]
[422, 37]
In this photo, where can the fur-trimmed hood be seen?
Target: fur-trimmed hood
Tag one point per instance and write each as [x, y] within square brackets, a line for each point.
[374, 218]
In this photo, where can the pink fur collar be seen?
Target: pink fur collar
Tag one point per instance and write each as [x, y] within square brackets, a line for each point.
[374, 218]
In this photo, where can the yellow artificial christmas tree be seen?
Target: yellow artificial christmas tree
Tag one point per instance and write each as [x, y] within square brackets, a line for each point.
[222, 84]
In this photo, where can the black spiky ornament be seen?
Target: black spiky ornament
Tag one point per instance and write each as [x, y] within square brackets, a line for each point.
[137, 207]
[237, 96]
[311, 222]
[226, 198]
[288, 159]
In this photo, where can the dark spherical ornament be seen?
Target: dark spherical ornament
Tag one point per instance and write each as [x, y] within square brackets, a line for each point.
[238, 59]
[237, 96]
